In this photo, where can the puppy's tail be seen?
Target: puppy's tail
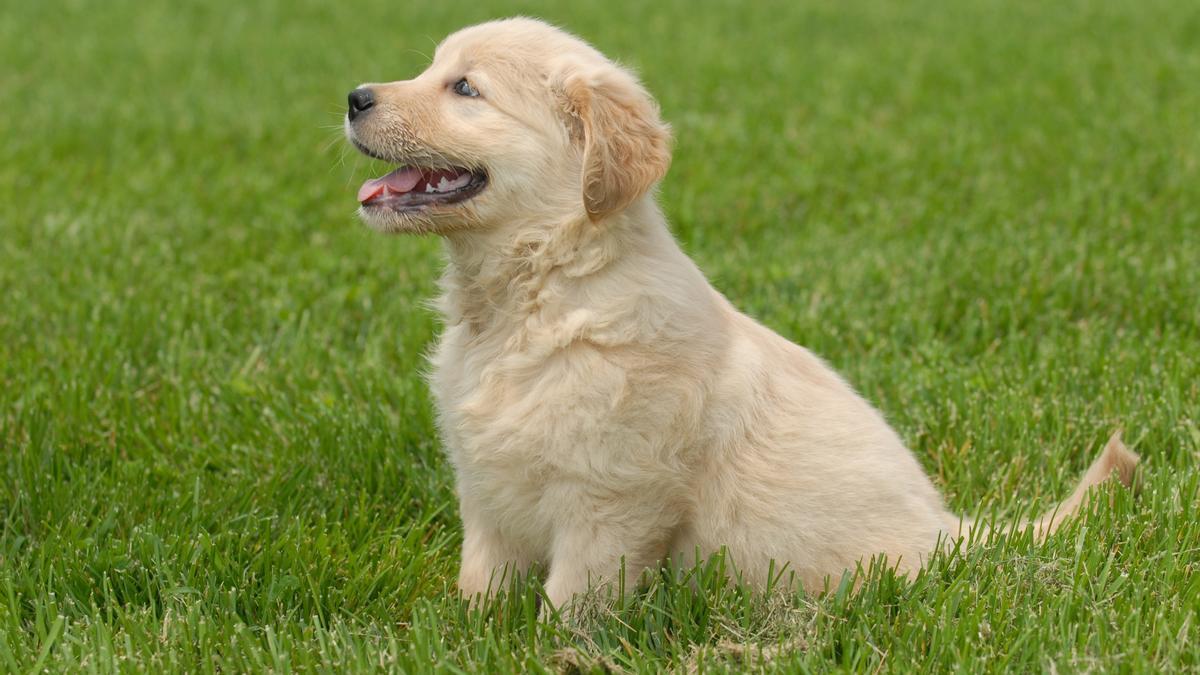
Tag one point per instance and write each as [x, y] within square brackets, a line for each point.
[1115, 460]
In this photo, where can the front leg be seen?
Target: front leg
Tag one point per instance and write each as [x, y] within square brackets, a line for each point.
[597, 537]
[489, 562]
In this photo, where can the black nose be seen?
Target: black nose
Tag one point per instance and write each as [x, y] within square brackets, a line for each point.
[360, 100]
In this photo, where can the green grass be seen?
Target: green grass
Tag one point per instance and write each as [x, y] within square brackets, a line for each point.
[217, 453]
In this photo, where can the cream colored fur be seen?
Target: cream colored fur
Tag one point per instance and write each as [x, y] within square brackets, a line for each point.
[600, 402]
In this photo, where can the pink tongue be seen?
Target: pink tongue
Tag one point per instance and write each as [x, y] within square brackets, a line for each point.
[400, 180]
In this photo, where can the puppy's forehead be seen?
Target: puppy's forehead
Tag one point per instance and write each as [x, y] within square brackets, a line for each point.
[521, 41]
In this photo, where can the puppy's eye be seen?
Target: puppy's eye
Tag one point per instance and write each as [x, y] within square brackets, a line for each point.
[464, 88]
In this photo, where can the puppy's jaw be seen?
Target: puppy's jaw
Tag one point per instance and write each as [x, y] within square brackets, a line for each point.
[419, 211]
[430, 221]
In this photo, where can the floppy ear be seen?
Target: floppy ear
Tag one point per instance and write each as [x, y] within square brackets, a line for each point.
[626, 145]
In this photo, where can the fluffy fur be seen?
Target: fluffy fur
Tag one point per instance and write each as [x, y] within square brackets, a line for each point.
[600, 402]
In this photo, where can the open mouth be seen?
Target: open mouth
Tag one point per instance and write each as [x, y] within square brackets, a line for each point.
[411, 188]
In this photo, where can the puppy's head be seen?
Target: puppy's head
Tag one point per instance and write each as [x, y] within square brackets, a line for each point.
[513, 121]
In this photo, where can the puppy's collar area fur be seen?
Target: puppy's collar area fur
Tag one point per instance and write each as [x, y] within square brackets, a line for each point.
[497, 280]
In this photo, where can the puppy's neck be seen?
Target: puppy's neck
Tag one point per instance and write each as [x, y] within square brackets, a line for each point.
[497, 278]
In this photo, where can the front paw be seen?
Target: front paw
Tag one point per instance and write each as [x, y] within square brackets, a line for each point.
[588, 604]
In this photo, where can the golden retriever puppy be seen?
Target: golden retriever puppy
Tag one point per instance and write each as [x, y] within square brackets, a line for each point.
[601, 403]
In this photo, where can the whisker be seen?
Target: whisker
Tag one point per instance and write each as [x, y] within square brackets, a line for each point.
[330, 144]
[353, 171]
[418, 52]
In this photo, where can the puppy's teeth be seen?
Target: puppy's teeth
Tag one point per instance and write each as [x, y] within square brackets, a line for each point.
[445, 184]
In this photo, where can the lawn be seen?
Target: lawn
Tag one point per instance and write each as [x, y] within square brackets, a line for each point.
[217, 451]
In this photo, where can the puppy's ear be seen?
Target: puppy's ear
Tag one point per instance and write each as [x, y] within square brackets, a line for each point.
[626, 145]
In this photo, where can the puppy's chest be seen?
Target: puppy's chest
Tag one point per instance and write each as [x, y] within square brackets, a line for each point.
[509, 435]
[527, 416]
[500, 411]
